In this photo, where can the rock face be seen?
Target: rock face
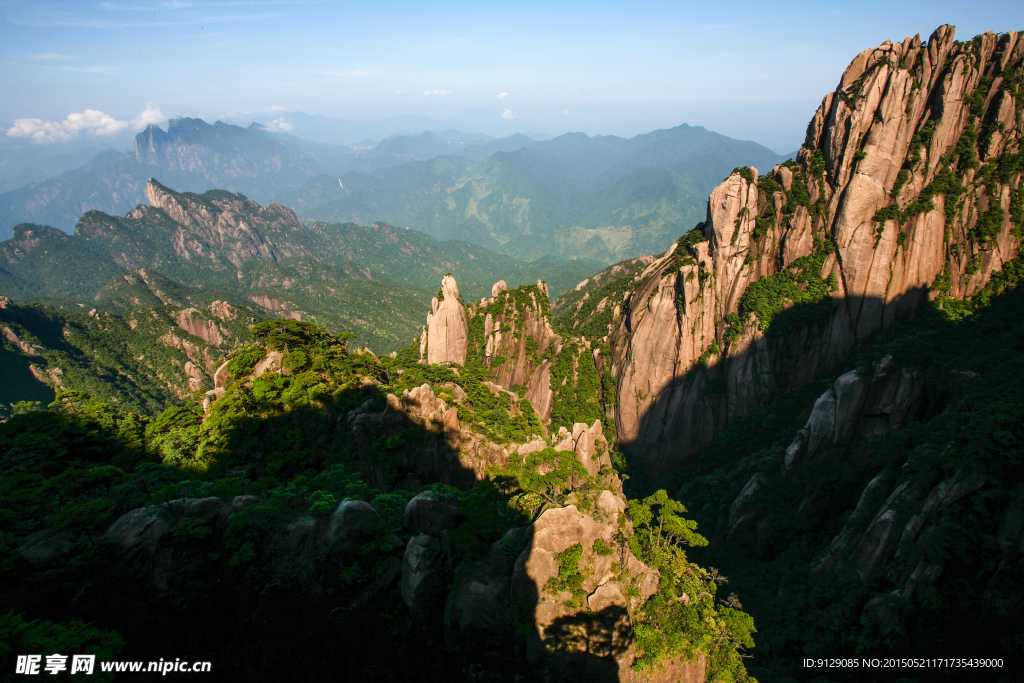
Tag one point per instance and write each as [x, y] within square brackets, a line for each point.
[428, 514]
[427, 564]
[446, 331]
[513, 584]
[516, 335]
[897, 189]
[859, 407]
[426, 572]
[590, 446]
[228, 225]
[149, 541]
[510, 333]
[897, 507]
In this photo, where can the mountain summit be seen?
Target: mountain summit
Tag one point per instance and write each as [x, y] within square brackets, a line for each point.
[908, 183]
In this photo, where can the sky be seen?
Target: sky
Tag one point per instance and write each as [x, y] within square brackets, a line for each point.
[89, 71]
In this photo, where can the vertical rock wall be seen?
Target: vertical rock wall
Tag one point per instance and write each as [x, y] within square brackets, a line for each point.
[909, 180]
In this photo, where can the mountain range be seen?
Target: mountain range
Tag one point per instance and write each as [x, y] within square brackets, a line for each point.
[372, 281]
[602, 198]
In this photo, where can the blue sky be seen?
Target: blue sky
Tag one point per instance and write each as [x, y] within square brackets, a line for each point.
[749, 70]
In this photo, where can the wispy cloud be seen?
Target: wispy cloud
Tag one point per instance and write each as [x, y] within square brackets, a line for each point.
[279, 125]
[502, 95]
[90, 121]
[436, 93]
[352, 73]
[50, 57]
[86, 69]
[508, 114]
[274, 108]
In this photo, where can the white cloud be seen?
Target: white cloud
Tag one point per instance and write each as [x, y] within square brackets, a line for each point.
[273, 109]
[502, 95]
[279, 125]
[508, 114]
[150, 115]
[90, 121]
[436, 93]
[565, 112]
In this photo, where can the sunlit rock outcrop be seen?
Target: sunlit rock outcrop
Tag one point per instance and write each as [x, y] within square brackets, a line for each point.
[908, 183]
[446, 330]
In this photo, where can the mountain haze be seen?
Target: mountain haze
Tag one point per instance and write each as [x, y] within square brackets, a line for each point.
[589, 196]
[603, 198]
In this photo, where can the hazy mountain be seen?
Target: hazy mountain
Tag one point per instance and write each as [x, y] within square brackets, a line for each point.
[498, 193]
[196, 156]
[191, 154]
[24, 162]
[320, 128]
[603, 198]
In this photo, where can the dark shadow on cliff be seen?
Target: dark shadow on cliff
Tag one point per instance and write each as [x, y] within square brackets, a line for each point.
[771, 520]
[768, 380]
[588, 643]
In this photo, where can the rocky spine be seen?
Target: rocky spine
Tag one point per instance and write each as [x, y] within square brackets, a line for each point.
[908, 186]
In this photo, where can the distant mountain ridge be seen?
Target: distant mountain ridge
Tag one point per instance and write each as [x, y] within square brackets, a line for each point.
[516, 195]
[196, 156]
[604, 198]
[373, 280]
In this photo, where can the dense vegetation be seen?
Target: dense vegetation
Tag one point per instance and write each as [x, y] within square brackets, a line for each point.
[685, 616]
[274, 441]
[137, 361]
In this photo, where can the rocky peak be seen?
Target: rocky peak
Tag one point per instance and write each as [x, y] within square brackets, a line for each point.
[514, 339]
[446, 331]
[148, 147]
[909, 181]
[228, 223]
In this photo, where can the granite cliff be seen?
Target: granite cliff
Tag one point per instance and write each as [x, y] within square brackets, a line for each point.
[907, 187]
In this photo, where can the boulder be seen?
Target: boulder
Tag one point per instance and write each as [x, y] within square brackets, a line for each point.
[42, 548]
[352, 522]
[426, 573]
[428, 514]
